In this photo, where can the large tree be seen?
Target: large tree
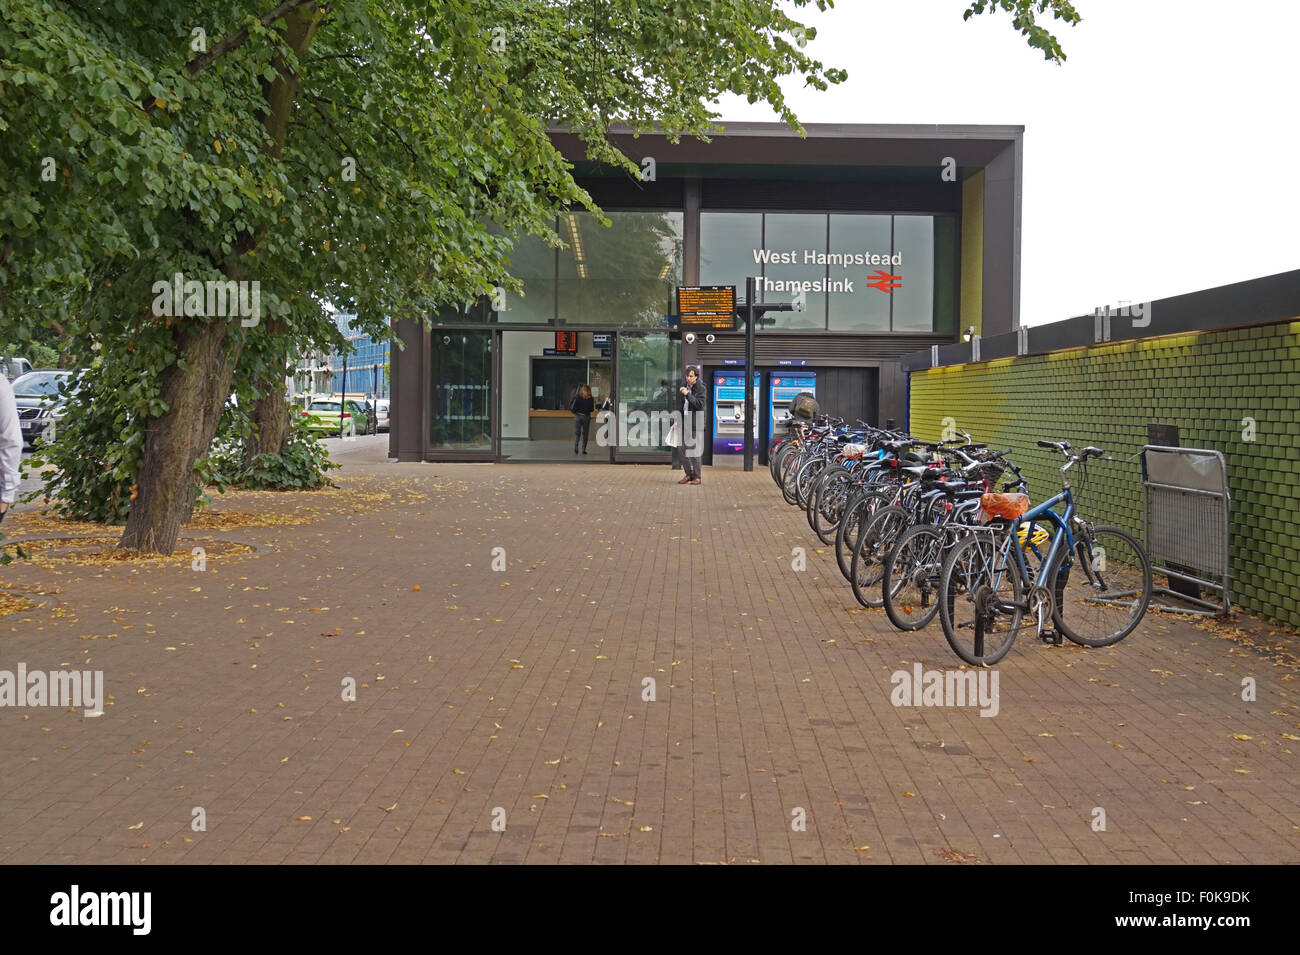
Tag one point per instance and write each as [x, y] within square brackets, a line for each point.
[353, 150]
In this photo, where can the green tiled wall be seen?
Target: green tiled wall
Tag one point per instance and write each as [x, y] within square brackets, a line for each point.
[1105, 395]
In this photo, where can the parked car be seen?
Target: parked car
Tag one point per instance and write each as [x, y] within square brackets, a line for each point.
[41, 397]
[322, 416]
[15, 368]
[381, 413]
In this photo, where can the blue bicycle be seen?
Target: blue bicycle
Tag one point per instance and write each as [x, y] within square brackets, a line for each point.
[1093, 581]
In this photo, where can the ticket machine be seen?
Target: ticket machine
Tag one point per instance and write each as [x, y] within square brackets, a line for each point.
[784, 386]
[729, 412]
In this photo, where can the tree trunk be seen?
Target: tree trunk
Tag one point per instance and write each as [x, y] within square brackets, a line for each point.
[195, 390]
[270, 417]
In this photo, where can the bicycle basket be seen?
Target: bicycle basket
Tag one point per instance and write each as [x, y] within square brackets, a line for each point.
[1004, 505]
[987, 471]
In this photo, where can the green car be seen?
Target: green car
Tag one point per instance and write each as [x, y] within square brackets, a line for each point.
[322, 417]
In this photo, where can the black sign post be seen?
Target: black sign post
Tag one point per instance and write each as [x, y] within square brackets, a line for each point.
[714, 308]
[751, 313]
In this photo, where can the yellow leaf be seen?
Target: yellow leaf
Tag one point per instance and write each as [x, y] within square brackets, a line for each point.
[459, 772]
[138, 825]
[862, 848]
[1046, 734]
[1244, 772]
[909, 794]
[303, 818]
[645, 829]
[216, 144]
[1241, 736]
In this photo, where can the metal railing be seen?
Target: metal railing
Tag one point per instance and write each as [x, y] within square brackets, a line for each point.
[1186, 525]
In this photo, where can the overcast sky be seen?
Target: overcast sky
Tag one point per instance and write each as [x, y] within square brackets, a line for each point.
[1162, 157]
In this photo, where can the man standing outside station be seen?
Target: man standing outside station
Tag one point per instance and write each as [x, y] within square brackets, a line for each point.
[11, 447]
[693, 399]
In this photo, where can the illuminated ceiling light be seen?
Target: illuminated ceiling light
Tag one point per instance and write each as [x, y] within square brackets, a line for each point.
[575, 242]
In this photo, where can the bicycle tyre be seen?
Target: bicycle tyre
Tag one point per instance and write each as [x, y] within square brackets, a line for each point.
[1124, 567]
[857, 513]
[910, 584]
[969, 565]
[868, 556]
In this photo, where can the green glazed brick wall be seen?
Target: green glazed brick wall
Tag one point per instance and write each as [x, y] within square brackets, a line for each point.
[1105, 395]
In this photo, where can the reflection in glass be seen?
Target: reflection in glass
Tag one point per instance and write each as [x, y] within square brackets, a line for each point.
[461, 414]
[727, 244]
[865, 309]
[650, 371]
[914, 302]
[801, 236]
[533, 261]
[621, 275]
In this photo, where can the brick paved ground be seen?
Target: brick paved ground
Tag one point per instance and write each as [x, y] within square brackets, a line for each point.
[522, 689]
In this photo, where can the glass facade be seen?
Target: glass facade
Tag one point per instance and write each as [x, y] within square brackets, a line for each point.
[367, 362]
[624, 274]
[461, 401]
[855, 272]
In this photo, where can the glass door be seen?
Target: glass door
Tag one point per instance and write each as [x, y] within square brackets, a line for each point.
[462, 400]
[647, 371]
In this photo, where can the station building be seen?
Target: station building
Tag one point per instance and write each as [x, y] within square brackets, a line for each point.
[895, 239]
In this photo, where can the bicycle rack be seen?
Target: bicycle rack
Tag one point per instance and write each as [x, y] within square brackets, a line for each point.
[1186, 522]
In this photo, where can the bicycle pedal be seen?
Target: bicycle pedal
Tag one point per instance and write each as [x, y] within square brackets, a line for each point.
[1054, 637]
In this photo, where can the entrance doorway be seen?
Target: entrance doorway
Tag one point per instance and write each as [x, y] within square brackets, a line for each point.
[541, 371]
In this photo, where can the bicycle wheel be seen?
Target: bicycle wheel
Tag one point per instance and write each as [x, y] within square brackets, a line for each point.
[803, 480]
[1103, 592]
[858, 511]
[774, 461]
[910, 584]
[790, 466]
[814, 491]
[979, 579]
[829, 504]
[869, 556]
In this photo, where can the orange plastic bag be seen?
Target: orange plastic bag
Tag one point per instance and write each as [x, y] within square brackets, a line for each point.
[1004, 505]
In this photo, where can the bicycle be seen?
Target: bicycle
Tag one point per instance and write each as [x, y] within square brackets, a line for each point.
[983, 593]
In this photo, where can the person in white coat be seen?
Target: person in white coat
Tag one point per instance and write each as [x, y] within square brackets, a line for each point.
[11, 447]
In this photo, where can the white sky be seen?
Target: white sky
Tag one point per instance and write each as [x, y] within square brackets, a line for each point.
[1162, 157]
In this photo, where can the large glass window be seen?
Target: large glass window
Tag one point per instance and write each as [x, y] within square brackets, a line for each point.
[532, 261]
[857, 272]
[859, 307]
[728, 242]
[794, 246]
[621, 275]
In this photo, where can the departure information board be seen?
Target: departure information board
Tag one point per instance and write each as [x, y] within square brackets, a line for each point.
[566, 342]
[707, 306]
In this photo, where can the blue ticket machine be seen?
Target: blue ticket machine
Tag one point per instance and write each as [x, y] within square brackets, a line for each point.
[784, 387]
[729, 412]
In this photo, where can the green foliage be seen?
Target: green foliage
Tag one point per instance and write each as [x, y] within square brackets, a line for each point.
[41, 356]
[1023, 18]
[97, 448]
[303, 464]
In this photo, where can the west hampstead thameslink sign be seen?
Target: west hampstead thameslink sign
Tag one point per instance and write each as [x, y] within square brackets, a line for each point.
[880, 279]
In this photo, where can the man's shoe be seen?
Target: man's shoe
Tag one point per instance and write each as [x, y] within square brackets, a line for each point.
[696, 481]
[584, 450]
[685, 480]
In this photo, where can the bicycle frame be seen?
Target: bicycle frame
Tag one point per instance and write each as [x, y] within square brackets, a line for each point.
[1061, 536]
